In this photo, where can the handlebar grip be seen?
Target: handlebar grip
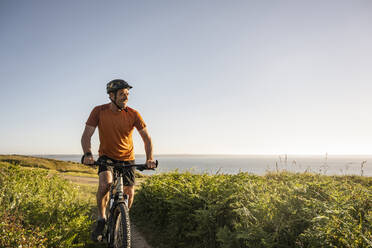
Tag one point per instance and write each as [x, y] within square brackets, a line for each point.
[144, 167]
[82, 161]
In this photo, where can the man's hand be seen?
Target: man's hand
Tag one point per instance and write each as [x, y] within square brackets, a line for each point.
[88, 160]
[151, 164]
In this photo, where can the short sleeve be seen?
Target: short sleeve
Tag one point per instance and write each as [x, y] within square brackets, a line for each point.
[138, 122]
[93, 117]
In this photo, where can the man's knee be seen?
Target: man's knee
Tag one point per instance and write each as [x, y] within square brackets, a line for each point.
[105, 182]
[129, 190]
[103, 189]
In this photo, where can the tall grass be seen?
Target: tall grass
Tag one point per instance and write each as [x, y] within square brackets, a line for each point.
[244, 210]
[37, 210]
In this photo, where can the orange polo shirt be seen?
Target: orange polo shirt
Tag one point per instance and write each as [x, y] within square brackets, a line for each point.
[115, 131]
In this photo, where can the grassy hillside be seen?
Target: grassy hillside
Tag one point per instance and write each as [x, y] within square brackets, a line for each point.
[54, 166]
[244, 210]
[38, 208]
[45, 163]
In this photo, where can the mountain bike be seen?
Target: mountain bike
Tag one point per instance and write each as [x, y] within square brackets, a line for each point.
[118, 233]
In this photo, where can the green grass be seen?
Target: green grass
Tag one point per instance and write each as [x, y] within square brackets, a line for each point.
[244, 210]
[38, 208]
[46, 163]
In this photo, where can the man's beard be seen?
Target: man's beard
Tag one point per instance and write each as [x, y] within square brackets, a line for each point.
[121, 103]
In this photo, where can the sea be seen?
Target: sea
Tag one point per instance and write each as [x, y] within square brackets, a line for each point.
[256, 164]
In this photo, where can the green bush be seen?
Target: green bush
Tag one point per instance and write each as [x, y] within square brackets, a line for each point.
[14, 234]
[243, 210]
[40, 209]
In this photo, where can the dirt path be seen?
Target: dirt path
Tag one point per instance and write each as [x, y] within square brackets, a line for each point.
[138, 241]
[82, 180]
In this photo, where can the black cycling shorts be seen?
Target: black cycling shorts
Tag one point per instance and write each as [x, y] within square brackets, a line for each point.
[129, 178]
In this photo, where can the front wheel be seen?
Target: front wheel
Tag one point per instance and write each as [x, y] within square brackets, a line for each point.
[120, 229]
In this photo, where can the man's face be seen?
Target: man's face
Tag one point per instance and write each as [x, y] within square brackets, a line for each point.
[121, 97]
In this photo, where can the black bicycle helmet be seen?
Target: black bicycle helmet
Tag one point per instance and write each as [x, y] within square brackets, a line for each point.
[117, 84]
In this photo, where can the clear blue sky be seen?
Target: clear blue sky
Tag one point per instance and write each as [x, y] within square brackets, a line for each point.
[225, 77]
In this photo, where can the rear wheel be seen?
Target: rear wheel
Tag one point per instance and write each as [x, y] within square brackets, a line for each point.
[120, 231]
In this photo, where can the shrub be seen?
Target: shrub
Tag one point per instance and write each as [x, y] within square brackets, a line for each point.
[40, 209]
[243, 210]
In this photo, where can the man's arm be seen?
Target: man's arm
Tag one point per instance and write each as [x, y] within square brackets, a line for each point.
[85, 143]
[148, 147]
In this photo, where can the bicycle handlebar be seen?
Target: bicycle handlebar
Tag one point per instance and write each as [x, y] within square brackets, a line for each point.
[140, 167]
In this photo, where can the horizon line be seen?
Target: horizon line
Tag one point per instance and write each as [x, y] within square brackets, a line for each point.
[206, 154]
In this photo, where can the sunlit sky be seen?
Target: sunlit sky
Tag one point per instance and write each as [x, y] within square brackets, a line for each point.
[209, 77]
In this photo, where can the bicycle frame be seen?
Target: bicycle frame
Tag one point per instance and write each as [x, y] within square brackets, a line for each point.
[118, 187]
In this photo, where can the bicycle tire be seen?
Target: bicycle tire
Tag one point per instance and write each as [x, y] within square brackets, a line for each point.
[120, 229]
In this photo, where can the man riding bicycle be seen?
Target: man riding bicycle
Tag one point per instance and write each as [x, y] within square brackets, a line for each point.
[115, 121]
